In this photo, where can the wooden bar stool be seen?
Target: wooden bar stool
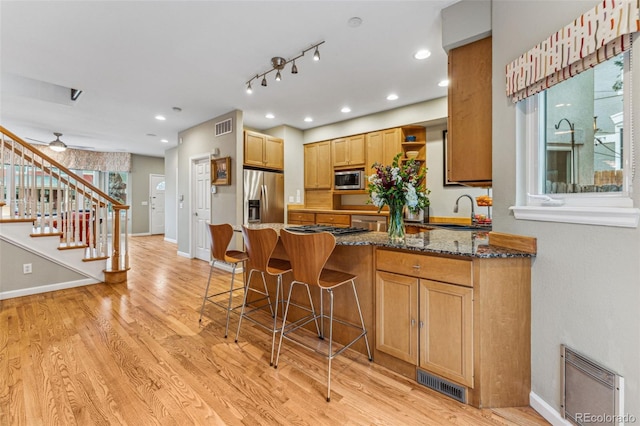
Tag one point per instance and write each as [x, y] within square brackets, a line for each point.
[260, 244]
[220, 238]
[308, 254]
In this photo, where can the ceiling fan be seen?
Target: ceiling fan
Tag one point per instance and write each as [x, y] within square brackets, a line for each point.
[57, 145]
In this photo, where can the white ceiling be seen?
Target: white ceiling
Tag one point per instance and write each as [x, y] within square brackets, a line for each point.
[136, 59]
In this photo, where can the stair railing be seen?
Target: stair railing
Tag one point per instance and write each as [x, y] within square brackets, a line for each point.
[36, 188]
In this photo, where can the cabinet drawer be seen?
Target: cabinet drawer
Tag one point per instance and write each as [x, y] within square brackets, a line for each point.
[301, 217]
[456, 271]
[333, 219]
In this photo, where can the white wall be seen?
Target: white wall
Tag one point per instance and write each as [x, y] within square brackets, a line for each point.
[226, 204]
[585, 279]
[171, 194]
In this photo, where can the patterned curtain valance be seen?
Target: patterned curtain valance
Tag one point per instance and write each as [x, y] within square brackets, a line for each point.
[78, 159]
[597, 35]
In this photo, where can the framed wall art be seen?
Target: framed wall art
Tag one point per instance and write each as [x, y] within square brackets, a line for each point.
[221, 171]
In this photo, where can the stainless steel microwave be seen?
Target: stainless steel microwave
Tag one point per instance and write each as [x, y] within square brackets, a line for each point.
[349, 179]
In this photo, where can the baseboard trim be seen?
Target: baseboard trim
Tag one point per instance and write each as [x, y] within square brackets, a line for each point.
[46, 288]
[184, 254]
[141, 234]
[171, 240]
[547, 411]
[228, 267]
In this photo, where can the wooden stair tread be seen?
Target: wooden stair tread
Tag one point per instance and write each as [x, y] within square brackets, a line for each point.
[46, 234]
[72, 247]
[15, 219]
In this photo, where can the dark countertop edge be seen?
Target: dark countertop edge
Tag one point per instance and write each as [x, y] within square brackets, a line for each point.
[486, 251]
[334, 211]
[495, 252]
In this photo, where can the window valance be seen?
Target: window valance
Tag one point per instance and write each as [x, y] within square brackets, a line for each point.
[594, 37]
[77, 159]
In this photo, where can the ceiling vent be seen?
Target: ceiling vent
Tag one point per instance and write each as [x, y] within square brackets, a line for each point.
[224, 127]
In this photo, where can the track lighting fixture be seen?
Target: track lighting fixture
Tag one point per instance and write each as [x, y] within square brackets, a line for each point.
[278, 63]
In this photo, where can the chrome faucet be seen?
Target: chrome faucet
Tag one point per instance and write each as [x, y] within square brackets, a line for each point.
[473, 213]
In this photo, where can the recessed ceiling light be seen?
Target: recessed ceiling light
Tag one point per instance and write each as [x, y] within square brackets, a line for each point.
[443, 83]
[308, 119]
[177, 109]
[151, 134]
[160, 117]
[164, 140]
[354, 22]
[345, 109]
[269, 115]
[392, 97]
[422, 54]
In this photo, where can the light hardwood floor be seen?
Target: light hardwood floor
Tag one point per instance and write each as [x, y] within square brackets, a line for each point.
[135, 354]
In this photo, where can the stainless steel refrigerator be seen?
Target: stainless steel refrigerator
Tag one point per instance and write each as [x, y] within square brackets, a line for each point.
[263, 197]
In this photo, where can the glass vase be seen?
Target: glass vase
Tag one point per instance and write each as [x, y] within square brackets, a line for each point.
[396, 224]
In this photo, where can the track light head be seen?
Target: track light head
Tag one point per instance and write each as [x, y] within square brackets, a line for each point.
[294, 68]
[278, 76]
[316, 55]
[264, 81]
[249, 89]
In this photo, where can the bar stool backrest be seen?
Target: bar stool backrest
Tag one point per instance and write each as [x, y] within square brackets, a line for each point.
[220, 238]
[308, 253]
[259, 244]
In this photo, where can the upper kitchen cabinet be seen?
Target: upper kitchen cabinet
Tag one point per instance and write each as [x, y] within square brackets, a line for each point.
[317, 165]
[382, 146]
[263, 151]
[348, 152]
[469, 128]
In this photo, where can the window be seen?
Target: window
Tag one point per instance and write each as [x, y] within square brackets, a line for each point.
[578, 161]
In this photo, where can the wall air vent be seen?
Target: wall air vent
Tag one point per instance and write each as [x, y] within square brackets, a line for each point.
[443, 386]
[592, 394]
[224, 127]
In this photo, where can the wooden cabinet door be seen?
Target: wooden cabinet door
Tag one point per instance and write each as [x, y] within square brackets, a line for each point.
[310, 166]
[382, 146]
[274, 153]
[324, 171]
[396, 316]
[340, 152]
[469, 132]
[375, 151]
[254, 149]
[446, 327]
[391, 144]
[317, 165]
[356, 150]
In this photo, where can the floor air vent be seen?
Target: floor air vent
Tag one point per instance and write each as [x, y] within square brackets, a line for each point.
[592, 394]
[224, 127]
[445, 387]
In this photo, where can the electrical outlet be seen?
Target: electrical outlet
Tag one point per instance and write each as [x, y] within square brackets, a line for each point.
[27, 268]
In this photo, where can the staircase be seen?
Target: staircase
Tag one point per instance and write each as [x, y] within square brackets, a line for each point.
[48, 210]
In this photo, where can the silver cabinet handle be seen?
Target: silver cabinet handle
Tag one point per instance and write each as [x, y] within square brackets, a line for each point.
[413, 322]
[421, 324]
[416, 266]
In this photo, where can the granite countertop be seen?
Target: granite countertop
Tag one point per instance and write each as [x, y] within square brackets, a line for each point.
[441, 241]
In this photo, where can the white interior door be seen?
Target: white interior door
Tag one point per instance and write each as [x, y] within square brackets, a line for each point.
[201, 208]
[156, 191]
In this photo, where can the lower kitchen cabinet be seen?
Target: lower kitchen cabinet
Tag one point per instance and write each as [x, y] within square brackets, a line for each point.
[464, 319]
[426, 323]
[446, 331]
[396, 316]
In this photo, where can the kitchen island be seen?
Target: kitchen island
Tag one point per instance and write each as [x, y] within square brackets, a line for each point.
[446, 308]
